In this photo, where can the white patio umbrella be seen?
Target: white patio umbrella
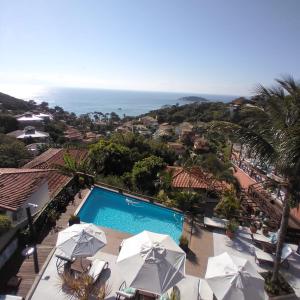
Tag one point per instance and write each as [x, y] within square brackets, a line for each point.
[234, 278]
[151, 262]
[81, 240]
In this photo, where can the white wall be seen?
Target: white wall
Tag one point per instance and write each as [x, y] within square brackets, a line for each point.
[39, 197]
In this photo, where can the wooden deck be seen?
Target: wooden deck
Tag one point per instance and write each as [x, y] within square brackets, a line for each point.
[26, 266]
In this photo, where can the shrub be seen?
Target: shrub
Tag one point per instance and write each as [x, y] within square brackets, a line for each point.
[232, 226]
[228, 206]
[82, 287]
[74, 220]
[183, 242]
[5, 223]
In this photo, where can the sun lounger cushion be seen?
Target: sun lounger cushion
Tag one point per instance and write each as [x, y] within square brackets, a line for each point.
[125, 295]
[215, 222]
[129, 290]
[96, 268]
[264, 256]
[10, 297]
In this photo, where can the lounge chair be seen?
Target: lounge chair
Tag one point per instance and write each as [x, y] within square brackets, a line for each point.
[96, 268]
[125, 292]
[204, 291]
[10, 297]
[264, 257]
[215, 222]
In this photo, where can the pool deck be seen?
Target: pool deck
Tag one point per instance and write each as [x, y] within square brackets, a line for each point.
[202, 244]
[200, 241]
[201, 247]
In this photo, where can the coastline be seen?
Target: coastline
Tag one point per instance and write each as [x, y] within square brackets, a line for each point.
[130, 103]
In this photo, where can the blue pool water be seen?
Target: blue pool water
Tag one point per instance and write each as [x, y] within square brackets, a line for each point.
[110, 209]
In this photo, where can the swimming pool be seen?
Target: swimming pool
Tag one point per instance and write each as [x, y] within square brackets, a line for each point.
[114, 210]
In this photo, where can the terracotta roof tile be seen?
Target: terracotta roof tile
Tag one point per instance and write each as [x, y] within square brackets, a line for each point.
[53, 157]
[16, 185]
[194, 178]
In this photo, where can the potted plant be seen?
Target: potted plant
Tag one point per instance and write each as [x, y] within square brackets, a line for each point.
[81, 181]
[184, 243]
[253, 228]
[231, 227]
[74, 220]
[265, 230]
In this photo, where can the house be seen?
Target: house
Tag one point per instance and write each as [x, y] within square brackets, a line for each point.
[31, 119]
[53, 157]
[185, 131]
[165, 132]
[142, 129]
[19, 187]
[37, 183]
[149, 122]
[201, 144]
[123, 129]
[73, 134]
[178, 148]
[36, 148]
[91, 137]
[195, 178]
[30, 132]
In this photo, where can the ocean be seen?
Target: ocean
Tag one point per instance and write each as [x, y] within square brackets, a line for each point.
[130, 103]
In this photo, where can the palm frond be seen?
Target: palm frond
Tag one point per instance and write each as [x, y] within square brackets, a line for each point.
[259, 146]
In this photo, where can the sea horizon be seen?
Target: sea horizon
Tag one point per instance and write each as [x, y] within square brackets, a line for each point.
[128, 102]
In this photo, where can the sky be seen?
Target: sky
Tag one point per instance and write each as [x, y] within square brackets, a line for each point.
[205, 46]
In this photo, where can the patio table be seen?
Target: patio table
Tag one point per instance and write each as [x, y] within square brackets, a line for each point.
[80, 265]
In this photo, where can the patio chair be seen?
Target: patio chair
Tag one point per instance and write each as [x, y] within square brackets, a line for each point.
[62, 260]
[215, 222]
[264, 257]
[96, 268]
[204, 291]
[125, 292]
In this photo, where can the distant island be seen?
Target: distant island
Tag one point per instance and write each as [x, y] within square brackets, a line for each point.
[193, 99]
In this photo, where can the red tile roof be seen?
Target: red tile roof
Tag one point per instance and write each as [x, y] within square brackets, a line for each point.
[194, 178]
[17, 185]
[53, 157]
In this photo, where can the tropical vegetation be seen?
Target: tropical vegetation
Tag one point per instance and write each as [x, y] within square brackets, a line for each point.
[271, 129]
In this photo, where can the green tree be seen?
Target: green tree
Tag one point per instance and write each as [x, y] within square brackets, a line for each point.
[185, 200]
[110, 158]
[73, 166]
[8, 123]
[271, 129]
[56, 131]
[13, 153]
[145, 172]
[228, 206]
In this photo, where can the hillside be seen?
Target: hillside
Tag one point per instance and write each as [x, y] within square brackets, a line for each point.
[11, 103]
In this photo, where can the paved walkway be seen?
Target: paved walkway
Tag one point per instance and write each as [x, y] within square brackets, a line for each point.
[201, 247]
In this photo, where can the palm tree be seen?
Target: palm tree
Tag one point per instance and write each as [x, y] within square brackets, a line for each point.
[271, 129]
[73, 166]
